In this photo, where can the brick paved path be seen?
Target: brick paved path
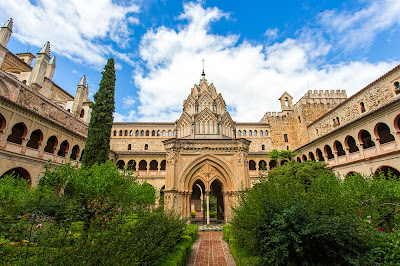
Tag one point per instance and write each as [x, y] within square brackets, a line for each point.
[209, 249]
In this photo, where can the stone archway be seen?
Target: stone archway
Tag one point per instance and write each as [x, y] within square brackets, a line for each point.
[215, 180]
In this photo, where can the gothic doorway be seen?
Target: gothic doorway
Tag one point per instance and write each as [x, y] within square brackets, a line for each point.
[197, 199]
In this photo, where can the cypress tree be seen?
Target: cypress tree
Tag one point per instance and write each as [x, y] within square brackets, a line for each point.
[97, 146]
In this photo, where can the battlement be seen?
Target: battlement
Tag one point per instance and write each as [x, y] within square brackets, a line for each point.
[275, 114]
[327, 94]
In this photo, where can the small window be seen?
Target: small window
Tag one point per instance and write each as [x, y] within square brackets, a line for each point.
[120, 133]
[82, 114]
[261, 133]
[397, 87]
[153, 133]
[146, 147]
[158, 133]
[137, 133]
[115, 133]
[266, 133]
[244, 133]
[142, 133]
[362, 107]
[131, 133]
[129, 147]
[164, 133]
[239, 133]
[285, 137]
[126, 133]
[299, 119]
[317, 131]
[250, 133]
[255, 133]
[263, 147]
[169, 133]
[147, 133]
[69, 110]
[337, 121]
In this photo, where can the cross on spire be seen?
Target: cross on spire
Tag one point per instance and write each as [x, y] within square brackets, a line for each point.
[203, 74]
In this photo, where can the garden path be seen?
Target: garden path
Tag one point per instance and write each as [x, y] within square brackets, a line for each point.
[209, 249]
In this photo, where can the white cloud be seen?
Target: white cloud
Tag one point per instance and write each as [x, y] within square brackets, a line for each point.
[128, 101]
[355, 29]
[74, 28]
[271, 34]
[125, 118]
[250, 77]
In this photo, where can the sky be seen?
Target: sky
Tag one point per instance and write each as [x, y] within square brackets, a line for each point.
[254, 51]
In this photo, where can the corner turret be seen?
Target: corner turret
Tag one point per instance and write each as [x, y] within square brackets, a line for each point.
[82, 93]
[5, 32]
[39, 69]
[51, 67]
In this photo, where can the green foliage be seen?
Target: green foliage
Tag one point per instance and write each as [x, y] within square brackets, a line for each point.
[97, 146]
[14, 193]
[300, 214]
[287, 154]
[385, 248]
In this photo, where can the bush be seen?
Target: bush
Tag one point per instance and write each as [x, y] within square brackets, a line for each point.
[299, 215]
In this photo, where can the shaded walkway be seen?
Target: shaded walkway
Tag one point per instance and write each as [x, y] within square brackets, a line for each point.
[210, 249]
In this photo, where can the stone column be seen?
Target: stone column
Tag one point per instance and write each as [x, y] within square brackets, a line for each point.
[208, 205]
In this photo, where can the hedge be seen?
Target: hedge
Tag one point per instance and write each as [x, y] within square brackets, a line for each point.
[182, 250]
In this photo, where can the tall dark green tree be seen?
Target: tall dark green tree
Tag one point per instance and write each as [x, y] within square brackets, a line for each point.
[97, 146]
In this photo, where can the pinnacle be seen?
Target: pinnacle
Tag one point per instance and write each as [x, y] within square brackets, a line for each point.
[53, 61]
[83, 81]
[45, 49]
[8, 24]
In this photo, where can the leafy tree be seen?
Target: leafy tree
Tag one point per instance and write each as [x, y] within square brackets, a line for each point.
[287, 154]
[97, 146]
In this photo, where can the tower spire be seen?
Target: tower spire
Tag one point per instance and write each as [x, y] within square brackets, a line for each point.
[203, 75]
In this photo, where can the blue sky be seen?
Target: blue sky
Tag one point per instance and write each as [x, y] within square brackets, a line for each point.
[253, 51]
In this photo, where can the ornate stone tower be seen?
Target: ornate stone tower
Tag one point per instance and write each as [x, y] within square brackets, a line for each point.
[204, 114]
[82, 93]
[205, 159]
[50, 68]
[39, 69]
[5, 32]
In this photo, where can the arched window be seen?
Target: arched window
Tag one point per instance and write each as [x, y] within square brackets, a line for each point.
[115, 133]
[328, 152]
[388, 170]
[142, 133]
[52, 143]
[250, 133]
[142, 165]
[158, 133]
[164, 133]
[263, 147]
[146, 147]
[63, 148]
[19, 172]
[147, 133]
[82, 114]
[163, 165]
[304, 158]
[311, 156]
[337, 121]
[285, 138]
[252, 165]
[35, 139]
[283, 162]
[266, 133]
[131, 133]
[362, 107]
[129, 147]
[383, 132]
[261, 133]
[244, 133]
[74, 152]
[319, 155]
[120, 132]
[18, 133]
[153, 165]
[365, 139]
[272, 164]
[339, 148]
[262, 165]
[153, 133]
[131, 165]
[121, 164]
[137, 133]
[69, 110]
[350, 142]
[397, 87]
[298, 160]
[169, 133]
[239, 133]
[126, 133]
[255, 133]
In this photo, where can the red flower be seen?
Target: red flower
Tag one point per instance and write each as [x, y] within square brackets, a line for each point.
[53, 219]
[381, 229]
